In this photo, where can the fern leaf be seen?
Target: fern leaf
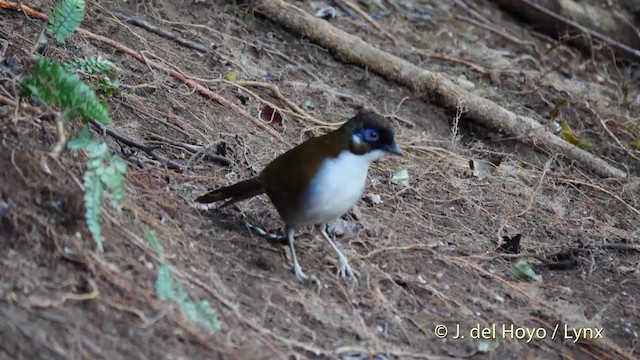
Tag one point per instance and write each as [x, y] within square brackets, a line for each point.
[93, 194]
[103, 170]
[164, 283]
[200, 313]
[92, 66]
[66, 18]
[94, 188]
[113, 178]
[52, 84]
[82, 140]
[153, 241]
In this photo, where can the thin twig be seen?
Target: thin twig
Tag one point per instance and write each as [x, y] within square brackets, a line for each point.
[606, 128]
[222, 160]
[321, 87]
[611, 246]
[599, 188]
[62, 137]
[288, 59]
[276, 92]
[475, 67]
[472, 11]
[148, 112]
[536, 191]
[367, 18]
[149, 150]
[498, 31]
[162, 32]
[347, 10]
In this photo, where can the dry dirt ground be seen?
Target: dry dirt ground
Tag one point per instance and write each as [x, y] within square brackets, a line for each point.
[427, 254]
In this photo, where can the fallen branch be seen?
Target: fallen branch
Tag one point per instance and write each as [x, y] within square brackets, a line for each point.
[196, 149]
[173, 73]
[352, 49]
[149, 150]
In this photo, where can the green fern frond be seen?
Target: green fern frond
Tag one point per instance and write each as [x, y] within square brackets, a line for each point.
[99, 71]
[113, 178]
[52, 84]
[103, 171]
[94, 189]
[66, 18]
[93, 195]
[200, 313]
[92, 66]
[82, 140]
[153, 241]
[164, 283]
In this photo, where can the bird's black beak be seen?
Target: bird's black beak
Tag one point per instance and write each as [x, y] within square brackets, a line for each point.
[394, 149]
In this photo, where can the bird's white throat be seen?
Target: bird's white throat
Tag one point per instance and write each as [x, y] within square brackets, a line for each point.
[337, 186]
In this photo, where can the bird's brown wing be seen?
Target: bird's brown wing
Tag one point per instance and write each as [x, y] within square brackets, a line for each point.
[294, 170]
[233, 193]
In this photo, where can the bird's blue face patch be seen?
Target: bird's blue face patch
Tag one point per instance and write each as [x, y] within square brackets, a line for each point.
[370, 132]
[376, 138]
[370, 135]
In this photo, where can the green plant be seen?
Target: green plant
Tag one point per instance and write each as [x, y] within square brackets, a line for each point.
[248, 16]
[92, 65]
[99, 70]
[52, 84]
[523, 270]
[103, 171]
[168, 288]
[570, 136]
[67, 17]
[635, 144]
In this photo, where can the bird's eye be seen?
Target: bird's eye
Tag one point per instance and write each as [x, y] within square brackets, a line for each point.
[371, 135]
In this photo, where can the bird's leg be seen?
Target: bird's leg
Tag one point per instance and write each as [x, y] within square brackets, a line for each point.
[343, 268]
[297, 269]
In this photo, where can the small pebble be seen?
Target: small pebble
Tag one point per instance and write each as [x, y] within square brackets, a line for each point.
[465, 83]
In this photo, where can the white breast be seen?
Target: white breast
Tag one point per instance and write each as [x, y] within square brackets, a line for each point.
[337, 186]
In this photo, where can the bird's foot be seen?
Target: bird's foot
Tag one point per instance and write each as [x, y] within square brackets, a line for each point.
[302, 277]
[297, 270]
[344, 269]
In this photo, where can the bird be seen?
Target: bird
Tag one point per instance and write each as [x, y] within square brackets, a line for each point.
[319, 180]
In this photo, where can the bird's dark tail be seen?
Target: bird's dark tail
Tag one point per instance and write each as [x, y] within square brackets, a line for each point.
[234, 193]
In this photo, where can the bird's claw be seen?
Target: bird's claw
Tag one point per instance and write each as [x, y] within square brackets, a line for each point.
[345, 270]
[302, 277]
[297, 270]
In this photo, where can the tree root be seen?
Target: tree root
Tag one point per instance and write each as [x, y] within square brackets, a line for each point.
[352, 49]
